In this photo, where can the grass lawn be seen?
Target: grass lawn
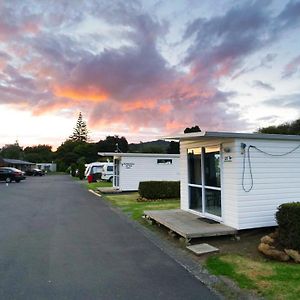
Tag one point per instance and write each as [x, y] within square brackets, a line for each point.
[128, 204]
[273, 280]
[94, 185]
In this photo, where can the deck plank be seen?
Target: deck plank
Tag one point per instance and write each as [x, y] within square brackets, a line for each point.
[188, 225]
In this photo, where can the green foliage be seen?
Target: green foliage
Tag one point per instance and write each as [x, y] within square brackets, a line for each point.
[159, 189]
[13, 151]
[39, 153]
[159, 146]
[95, 185]
[112, 143]
[81, 169]
[128, 203]
[152, 149]
[288, 219]
[274, 280]
[73, 169]
[217, 266]
[173, 148]
[80, 132]
[195, 128]
[75, 151]
[285, 128]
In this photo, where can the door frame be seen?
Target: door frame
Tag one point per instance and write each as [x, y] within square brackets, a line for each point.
[116, 175]
[204, 213]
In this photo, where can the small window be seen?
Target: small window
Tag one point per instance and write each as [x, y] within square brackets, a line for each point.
[110, 168]
[164, 161]
[96, 170]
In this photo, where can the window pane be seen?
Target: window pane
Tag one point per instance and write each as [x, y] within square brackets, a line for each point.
[195, 198]
[213, 202]
[194, 165]
[164, 161]
[212, 167]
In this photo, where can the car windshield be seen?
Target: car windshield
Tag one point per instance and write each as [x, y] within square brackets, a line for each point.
[15, 170]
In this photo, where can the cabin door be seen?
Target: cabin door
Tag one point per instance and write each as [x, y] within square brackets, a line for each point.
[205, 181]
[116, 176]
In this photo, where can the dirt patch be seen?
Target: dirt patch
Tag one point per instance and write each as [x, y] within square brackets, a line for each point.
[245, 243]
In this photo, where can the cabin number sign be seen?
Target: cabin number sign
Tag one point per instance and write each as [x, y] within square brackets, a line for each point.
[128, 165]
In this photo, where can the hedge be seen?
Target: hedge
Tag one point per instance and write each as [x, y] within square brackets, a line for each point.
[288, 219]
[159, 189]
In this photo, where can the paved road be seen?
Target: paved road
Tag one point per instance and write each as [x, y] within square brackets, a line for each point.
[58, 241]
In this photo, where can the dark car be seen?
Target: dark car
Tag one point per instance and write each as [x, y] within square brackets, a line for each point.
[35, 172]
[11, 174]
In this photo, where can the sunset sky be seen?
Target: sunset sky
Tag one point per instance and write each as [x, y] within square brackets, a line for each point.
[145, 69]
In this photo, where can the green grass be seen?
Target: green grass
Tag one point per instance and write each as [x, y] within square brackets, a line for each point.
[128, 204]
[94, 185]
[273, 280]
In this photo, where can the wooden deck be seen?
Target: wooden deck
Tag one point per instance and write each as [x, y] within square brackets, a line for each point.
[188, 225]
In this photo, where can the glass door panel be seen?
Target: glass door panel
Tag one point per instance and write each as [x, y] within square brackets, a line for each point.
[194, 166]
[116, 173]
[213, 202]
[212, 183]
[212, 167]
[195, 198]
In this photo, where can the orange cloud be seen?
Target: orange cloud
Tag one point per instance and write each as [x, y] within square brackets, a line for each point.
[90, 94]
[145, 104]
[174, 125]
[165, 108]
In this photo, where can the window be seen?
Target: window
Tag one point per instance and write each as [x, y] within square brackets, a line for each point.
[110, 168]
[194, 166]
[164, 161]
[96, 170]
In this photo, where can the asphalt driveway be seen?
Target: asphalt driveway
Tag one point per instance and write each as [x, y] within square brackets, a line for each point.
[58, 241]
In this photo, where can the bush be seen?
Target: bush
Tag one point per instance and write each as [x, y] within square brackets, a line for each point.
[73, 169]
[81, 169]
[288, 219]
[159, 189]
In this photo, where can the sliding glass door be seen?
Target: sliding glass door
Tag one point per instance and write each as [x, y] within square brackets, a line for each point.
[116, 177]
[204, 180]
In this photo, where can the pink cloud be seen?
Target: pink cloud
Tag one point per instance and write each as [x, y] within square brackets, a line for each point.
[292, 67]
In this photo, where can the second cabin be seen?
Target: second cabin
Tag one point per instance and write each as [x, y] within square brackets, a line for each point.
[132, 168]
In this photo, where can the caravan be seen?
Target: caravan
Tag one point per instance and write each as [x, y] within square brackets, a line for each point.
[99, 171]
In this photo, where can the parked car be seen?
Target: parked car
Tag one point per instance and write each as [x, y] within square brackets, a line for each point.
[35, 172]
[108, 172]
[8, 174]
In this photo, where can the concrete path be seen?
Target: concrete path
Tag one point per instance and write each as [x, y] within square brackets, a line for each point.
[58, 241]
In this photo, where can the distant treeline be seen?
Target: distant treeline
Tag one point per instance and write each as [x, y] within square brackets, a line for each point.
[71, 152]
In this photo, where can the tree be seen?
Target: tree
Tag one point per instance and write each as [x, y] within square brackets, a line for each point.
[13, 151]
[112, 144]
[39, 153]
[285, 128]
[173, 148]
[80, 132]
[192, 129]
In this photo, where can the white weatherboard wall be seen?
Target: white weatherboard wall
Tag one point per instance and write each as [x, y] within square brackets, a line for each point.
[136, 169]
[276, 180]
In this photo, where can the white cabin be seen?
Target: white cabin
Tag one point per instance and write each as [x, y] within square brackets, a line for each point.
[49, 167]
[238, 179]
[132, 168]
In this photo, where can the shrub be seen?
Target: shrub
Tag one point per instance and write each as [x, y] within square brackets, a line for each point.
[159, 189]
[81, 169]
[73, 169]
[288, 219]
